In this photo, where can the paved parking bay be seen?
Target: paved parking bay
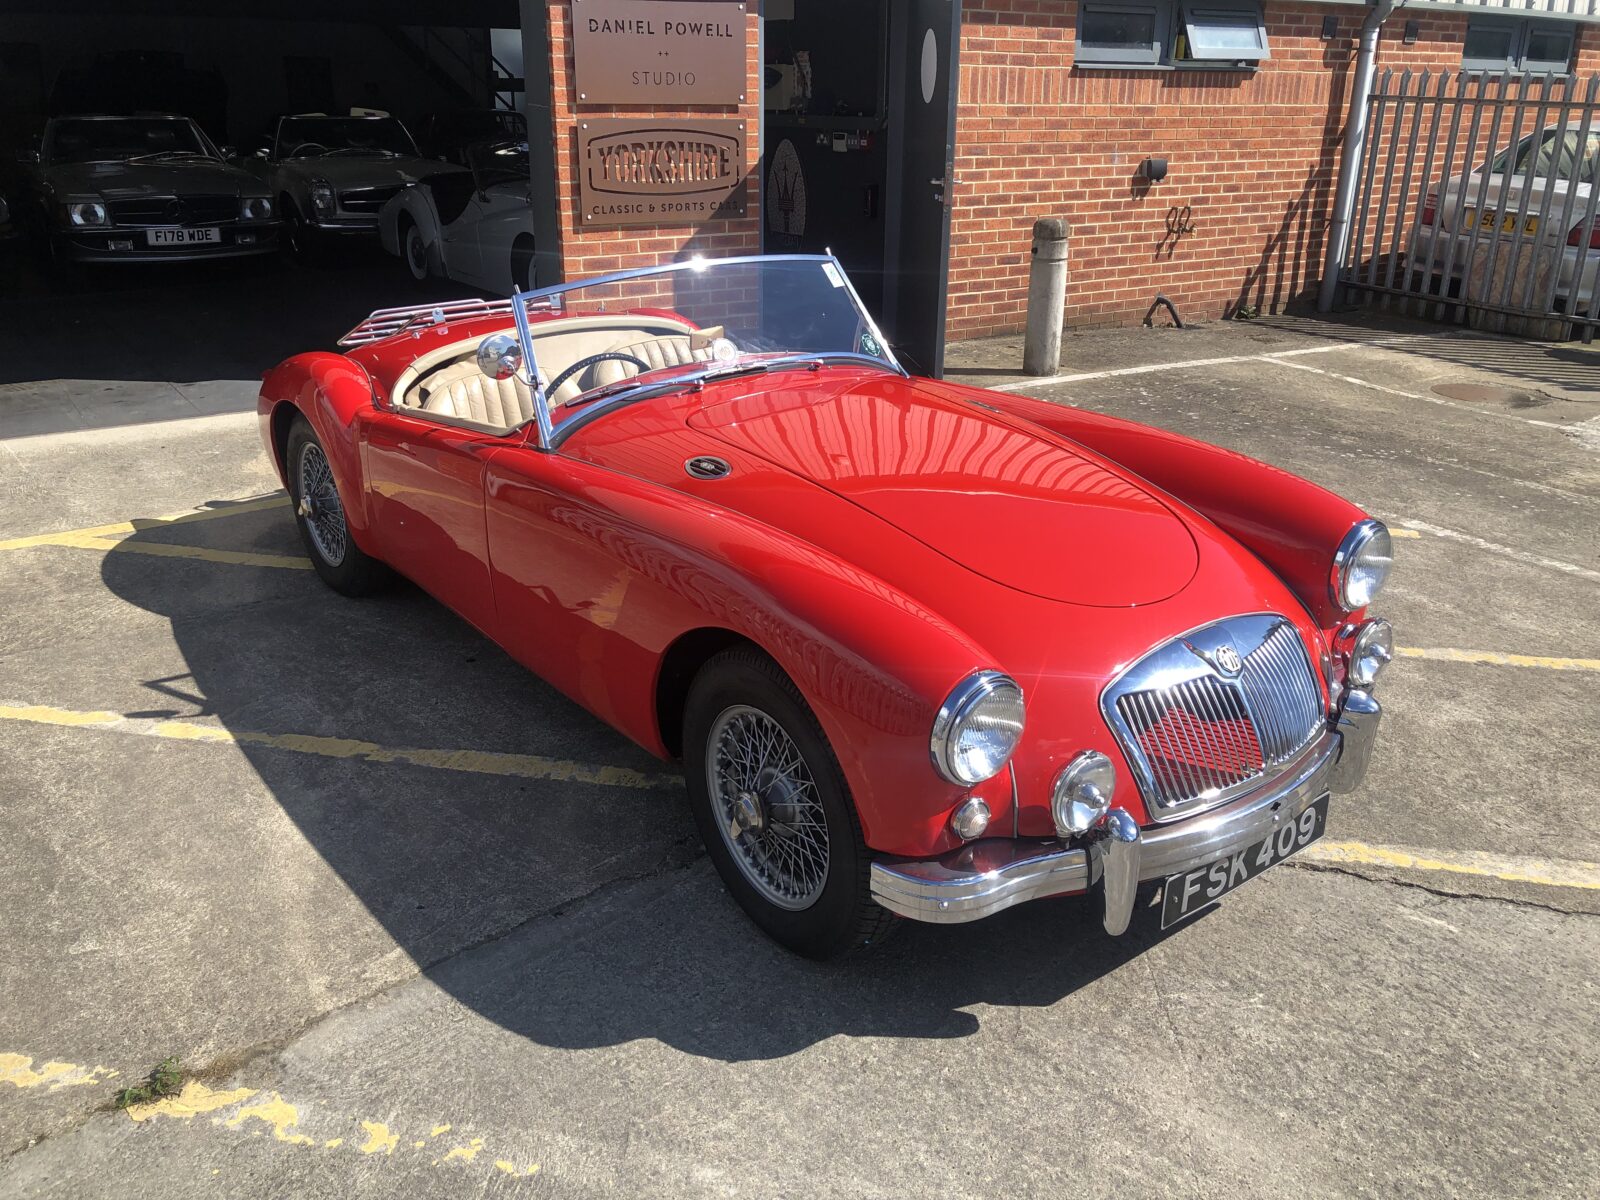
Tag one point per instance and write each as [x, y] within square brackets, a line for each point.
[419, 925]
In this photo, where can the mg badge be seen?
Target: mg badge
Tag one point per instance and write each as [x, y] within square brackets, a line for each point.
[1228, 660]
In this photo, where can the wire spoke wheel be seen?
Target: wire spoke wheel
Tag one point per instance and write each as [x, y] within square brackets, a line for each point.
[319, 505]
[767, 808]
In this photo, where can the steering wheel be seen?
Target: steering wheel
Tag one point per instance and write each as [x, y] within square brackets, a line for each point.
[583, 363]
[295, 153]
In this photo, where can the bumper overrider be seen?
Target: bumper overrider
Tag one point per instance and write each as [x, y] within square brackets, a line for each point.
[987, 876]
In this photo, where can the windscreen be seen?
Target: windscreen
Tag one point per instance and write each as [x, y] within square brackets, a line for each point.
[733, 311]
[314, 137]
[121, 139]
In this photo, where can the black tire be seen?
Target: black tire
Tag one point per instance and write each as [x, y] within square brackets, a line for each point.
[413, 250]
[333, 552]
[522, 267]
[842, 916]
[296, 239]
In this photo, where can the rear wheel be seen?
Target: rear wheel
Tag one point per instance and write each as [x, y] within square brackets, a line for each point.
[319, 513]
[774, 809]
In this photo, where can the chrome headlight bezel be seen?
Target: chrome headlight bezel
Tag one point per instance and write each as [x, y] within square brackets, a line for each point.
[322, 200]
[88, 214]
[966, 700]
[1367, 547]
[1370, 653]
[1083, 793]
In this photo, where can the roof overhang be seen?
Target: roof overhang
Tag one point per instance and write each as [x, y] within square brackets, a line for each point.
[1587, 11]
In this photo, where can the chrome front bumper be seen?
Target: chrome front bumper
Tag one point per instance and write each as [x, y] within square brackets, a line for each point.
[985, 877]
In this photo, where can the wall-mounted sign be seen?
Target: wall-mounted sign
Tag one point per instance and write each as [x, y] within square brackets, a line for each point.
[663, 52]
[643, 171]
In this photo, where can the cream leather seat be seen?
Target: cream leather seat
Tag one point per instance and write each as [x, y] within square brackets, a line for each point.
[461, 390]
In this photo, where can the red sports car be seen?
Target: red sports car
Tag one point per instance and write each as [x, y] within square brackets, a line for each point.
[925, 650]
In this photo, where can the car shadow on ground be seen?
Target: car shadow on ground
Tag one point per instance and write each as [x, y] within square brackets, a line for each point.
[572, 914]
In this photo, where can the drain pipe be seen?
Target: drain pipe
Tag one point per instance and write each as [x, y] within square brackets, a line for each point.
[1355, 137]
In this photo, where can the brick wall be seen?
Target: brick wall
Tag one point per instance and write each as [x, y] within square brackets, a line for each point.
[596, 251]
[1252, 158]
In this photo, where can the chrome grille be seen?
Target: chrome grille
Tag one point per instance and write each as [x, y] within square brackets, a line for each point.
[174, 210]
[1196, 734]
[368, 199]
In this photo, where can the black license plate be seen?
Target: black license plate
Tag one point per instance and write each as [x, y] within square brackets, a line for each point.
[1184, 895]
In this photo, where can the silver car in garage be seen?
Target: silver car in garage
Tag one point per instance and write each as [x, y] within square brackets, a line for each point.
[145, 188]
[332, 175]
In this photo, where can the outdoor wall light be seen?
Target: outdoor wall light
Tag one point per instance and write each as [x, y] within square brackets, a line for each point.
[1330, 28]
[1153, 169]
[1412, 29]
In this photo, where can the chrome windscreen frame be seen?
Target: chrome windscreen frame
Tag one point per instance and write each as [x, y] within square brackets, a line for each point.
[388, 322]
[1190, 656]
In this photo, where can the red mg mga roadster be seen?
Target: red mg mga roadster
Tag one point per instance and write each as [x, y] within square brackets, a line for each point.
[925, 650]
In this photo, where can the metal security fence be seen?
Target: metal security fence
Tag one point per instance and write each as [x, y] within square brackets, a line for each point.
[1477, 201]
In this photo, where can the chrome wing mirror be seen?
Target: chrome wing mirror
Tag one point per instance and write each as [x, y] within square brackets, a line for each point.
[499, 356]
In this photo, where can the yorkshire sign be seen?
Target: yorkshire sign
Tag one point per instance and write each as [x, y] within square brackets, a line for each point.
[637, 171]
[660, 52]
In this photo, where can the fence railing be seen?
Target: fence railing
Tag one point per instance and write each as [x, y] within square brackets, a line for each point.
[1477, 200]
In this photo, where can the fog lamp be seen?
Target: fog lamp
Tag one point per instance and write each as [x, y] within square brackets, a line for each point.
[1083, 793]
[1372, 652]
[970, 820]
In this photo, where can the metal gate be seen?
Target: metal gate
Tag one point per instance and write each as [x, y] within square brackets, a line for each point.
[1477, 199]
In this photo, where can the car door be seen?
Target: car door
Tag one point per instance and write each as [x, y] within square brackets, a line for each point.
[425, 484]
[505, 216]
[576, 597]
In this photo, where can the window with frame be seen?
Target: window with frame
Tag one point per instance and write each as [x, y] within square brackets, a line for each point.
[1166, 34]
[1518, 45]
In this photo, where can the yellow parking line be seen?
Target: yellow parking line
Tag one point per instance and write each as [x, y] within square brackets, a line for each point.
[475, 762]
[307, 1126]
[1403, 533]
[126, 528]
[1496, 659]
[1549, 872]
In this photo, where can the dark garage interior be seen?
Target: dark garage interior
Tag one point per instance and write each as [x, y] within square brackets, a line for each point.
[233, 71]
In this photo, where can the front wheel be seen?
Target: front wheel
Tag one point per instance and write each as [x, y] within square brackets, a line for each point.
[319, 512]
[774, 809]
[414, 249]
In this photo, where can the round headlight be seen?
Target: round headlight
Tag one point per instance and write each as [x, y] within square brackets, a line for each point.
[322, 195]
[90, 212]
[256, 208]
[978, 727]
[1361, 565]
[1372, 652]
[1083, 792]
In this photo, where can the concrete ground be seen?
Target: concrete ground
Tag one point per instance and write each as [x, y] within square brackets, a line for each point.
[418, 925]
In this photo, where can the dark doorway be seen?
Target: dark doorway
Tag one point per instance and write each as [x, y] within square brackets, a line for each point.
[924, 40]
[826, 127]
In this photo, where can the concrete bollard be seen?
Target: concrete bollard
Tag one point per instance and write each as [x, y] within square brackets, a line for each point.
[1047, 297]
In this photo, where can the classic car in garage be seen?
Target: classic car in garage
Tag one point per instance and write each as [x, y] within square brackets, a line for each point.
[924, 650]
[332, 175]
[473, 226]
[144, 188]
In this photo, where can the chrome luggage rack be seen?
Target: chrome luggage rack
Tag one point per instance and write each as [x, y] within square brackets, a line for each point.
[387, 322]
